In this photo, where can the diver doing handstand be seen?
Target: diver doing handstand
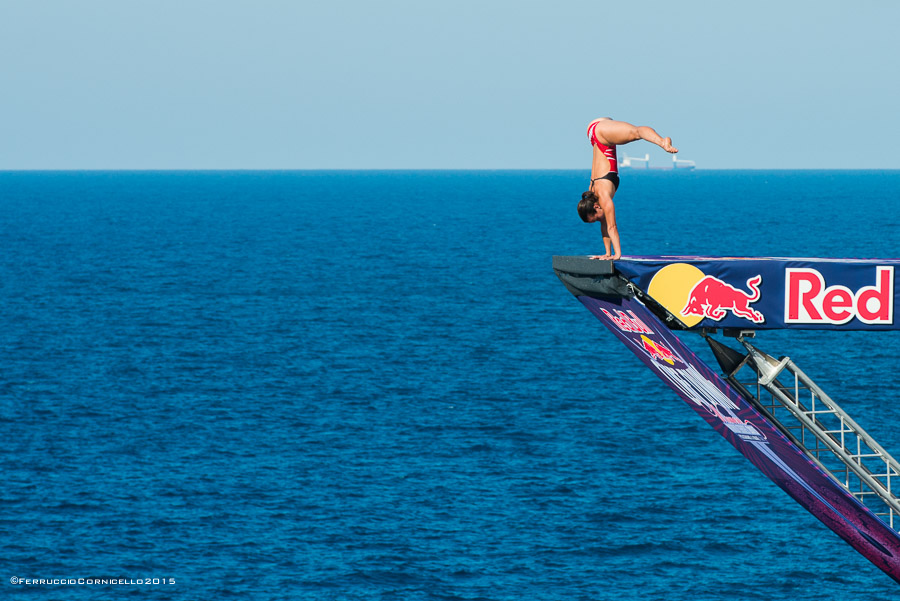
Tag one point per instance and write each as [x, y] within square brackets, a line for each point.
[597, 203]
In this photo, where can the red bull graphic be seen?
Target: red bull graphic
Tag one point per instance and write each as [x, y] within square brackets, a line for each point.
[696, 388]
[808, 300]
[658, 351]
[765, 293]
[711, 297]
[628, 322]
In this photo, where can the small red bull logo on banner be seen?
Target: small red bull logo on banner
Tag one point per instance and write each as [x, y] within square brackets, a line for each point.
[808, 300]
[713, 298]
[658, 351]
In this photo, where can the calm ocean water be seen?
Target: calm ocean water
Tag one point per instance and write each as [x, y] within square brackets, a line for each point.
[371, 385]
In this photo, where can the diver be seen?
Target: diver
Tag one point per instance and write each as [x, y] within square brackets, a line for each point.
[597, 203]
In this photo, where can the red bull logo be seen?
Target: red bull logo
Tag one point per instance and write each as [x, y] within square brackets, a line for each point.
[807, 299]
[769, 293]
[658, 351]
[713, 298]
[693, 296]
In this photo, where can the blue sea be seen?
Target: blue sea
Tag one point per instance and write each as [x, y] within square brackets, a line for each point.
[372, 386]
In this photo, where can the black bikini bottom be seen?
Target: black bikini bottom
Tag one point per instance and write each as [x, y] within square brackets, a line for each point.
[611, 176]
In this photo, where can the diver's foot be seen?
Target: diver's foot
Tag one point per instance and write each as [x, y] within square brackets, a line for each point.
[667, 145]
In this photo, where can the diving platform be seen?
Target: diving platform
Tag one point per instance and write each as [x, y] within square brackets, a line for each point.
[768, 409]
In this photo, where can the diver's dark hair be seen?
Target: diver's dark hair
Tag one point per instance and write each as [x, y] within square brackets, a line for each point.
[586, 205]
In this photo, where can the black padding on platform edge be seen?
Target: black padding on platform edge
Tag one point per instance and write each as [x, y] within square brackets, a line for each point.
[581, 265]
[605, 286]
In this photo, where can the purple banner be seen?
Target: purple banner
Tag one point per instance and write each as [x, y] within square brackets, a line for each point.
[744, 427]
[769, 293]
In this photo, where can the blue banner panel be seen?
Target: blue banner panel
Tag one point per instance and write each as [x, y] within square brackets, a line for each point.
[770, 293]
[756, 438]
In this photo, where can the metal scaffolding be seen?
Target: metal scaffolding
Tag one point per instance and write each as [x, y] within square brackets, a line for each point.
[815, 423]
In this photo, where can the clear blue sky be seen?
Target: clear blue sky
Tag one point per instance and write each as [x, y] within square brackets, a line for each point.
[347, 84]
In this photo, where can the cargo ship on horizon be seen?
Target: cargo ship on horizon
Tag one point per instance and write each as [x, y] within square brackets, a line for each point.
[627, 162]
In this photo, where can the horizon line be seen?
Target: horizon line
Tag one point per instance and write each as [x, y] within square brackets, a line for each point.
[408, 169]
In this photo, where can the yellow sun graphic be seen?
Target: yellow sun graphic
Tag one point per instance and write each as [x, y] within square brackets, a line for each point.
[671, 286]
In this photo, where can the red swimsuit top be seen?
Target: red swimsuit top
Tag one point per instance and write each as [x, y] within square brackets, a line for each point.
[608, 151]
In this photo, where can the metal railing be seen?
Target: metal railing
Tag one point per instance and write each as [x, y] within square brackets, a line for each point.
[829, 436]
